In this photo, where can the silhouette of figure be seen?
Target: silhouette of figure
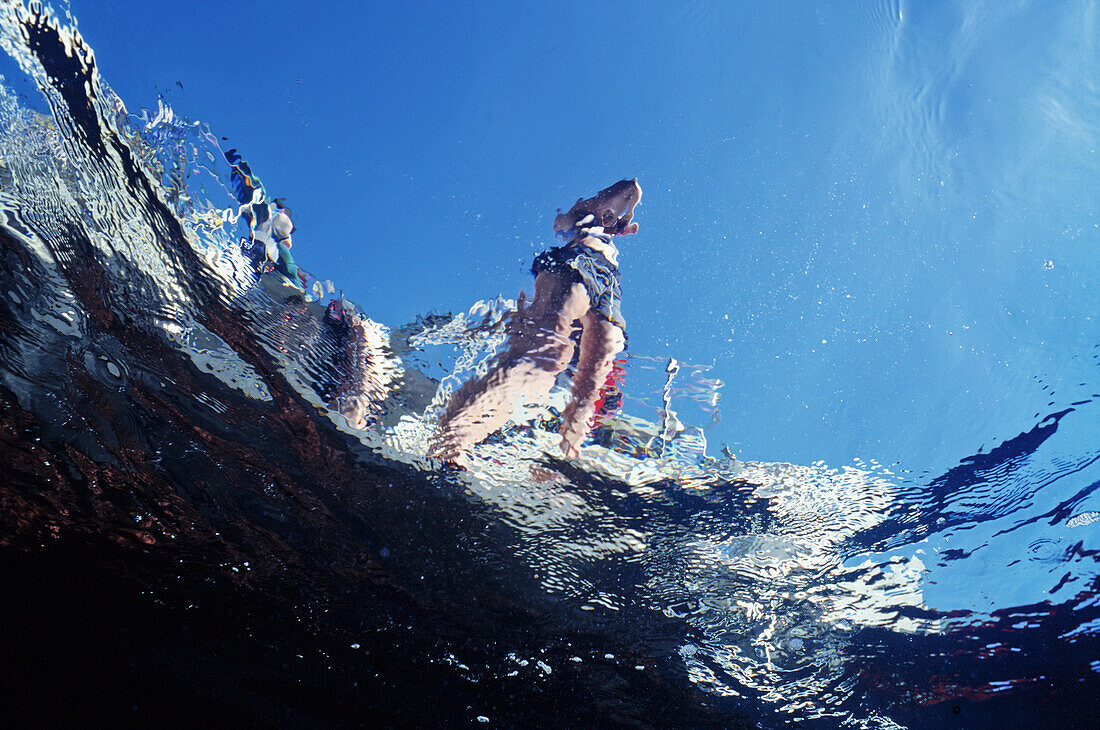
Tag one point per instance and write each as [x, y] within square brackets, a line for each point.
[363, 379]
[575, 282]
[361, 392]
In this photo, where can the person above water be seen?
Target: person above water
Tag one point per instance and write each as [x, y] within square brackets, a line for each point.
[270, 225]
[361, 389]
[578, 281]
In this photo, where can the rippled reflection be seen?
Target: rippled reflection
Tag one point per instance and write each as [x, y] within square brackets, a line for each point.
[162, 395]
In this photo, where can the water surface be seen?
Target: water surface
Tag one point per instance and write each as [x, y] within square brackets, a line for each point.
[189, 530]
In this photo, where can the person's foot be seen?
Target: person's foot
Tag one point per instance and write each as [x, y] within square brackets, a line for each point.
[457, 461]
[450, 455]
[571, 439]
[569, 449]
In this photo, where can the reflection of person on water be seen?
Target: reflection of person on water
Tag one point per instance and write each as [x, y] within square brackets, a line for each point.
[270, 225]
[360, 394]
[575, 282]
[360, 391]
[281, 228]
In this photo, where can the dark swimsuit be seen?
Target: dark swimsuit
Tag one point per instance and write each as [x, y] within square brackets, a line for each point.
[587, 266]
[256, 252]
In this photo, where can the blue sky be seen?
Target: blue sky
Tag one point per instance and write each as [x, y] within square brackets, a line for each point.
[878, 220]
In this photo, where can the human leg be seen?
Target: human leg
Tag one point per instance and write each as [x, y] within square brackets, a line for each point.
[601, 341]
[361, 392]
[538, 349]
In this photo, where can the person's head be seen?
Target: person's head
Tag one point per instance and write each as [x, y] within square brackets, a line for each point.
[612, 208]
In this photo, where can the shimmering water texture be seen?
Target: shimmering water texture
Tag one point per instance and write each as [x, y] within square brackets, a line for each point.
[193, 526]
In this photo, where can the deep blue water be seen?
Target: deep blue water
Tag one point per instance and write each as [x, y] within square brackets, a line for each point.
[189, 533]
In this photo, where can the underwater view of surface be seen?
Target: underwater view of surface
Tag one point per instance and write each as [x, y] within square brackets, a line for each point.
[844, 473]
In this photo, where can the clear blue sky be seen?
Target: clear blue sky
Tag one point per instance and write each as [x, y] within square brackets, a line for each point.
[878, 220]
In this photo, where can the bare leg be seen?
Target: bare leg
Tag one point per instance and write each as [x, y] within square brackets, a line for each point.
[538, 349]
[364, 388]
[601, 341]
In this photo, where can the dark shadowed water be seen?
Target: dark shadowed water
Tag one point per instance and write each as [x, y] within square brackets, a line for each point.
[189, 534]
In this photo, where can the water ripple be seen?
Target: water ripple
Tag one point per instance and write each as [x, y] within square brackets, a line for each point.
[185, 417]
